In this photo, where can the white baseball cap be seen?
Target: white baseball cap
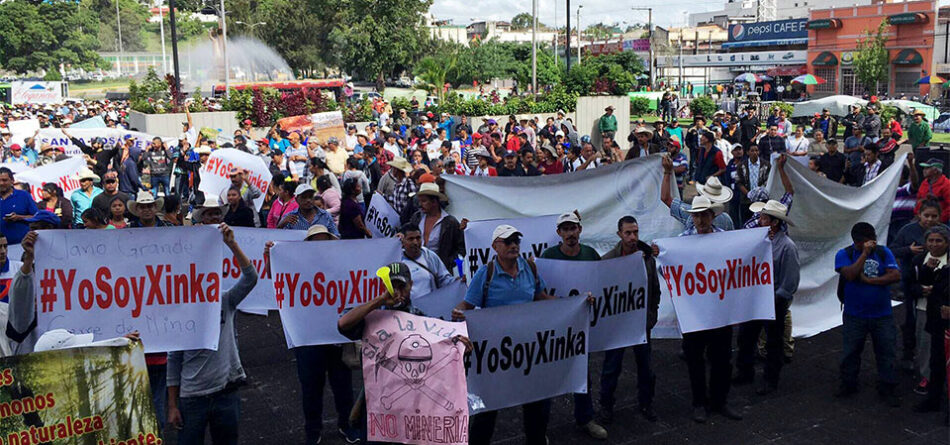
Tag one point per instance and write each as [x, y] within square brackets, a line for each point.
[61, 339]
[303, 188]
[569, 217]
[504, 231]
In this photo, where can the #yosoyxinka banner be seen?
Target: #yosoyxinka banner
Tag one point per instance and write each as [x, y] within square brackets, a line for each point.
[215, 174]
[163, 282]
[316, 281]
[718, 279]
[527, 352]
[252, 241]
[414, 375]
[618, 285]
[93, 395]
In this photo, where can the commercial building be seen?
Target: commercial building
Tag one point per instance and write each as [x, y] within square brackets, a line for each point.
[747, 11]
[833, 36]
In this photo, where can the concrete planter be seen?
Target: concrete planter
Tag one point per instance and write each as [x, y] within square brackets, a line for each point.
[169, 124]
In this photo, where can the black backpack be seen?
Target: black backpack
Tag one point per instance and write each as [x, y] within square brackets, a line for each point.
[491, 272]
[849, 251]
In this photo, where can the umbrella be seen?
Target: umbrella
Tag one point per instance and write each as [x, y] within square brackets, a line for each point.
[808, 79]
[932, 80]
[748, 78]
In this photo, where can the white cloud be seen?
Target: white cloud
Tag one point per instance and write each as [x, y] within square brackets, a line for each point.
[665, 13]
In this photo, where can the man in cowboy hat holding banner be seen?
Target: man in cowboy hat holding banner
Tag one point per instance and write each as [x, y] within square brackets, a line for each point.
[712, 190]
[785, 273]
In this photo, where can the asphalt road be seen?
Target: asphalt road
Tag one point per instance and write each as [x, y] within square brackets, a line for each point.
[802, 411]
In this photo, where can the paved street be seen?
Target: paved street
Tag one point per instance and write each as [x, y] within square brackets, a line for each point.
[801, 412]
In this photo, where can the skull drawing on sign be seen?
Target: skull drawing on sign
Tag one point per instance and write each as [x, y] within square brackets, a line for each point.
[415, 355]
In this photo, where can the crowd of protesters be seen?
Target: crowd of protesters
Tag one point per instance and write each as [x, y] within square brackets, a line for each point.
[324, 187]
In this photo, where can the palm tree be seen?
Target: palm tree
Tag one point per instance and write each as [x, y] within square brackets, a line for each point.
[433, 72]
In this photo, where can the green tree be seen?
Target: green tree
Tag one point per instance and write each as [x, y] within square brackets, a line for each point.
[133, 16]
[45, 35]
[379, 37]
[305, 44]
[523, 21]
[870, 60]
[434, 72]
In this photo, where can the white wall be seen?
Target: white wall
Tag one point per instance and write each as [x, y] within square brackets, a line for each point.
[591, 108]
[169, 125]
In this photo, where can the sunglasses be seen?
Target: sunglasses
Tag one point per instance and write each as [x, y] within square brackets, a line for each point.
[110, 181]
[512, 240]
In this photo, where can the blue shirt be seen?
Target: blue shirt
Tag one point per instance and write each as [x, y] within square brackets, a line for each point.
[504, 289]
[82, 202]
[861, 299]
[21, 203]
[322, 217]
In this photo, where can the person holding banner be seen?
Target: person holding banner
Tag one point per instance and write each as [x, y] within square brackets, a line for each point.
[866, 270]
[716, 344]
[519, 283]
[786, 273]
[307, 213]
[15, 206]
[203, 384]
[628, 229]
[441, 232]
[570, 249]
[713, 191]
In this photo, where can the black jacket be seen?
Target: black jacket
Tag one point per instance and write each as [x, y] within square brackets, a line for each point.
[653, 281]
[451, 240]
[939, 295]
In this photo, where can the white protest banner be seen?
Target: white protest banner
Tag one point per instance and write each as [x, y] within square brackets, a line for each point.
[252, 240]
[527, 352]
[718, 279]
[824, 212]
[16, 167]
[23, 129]
[381, 218]
[619, 287]
[414, 376]
[64, 173]
[315, 281]
[112, 136]
[540, 232]
[92, 122]
[601, 195]
[215, 174]
[163, 282]
[440, 302]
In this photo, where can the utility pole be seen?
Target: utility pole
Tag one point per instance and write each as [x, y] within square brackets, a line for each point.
[118, 28]
[579, 46]
[161, 27]
[227, 62]
[534, 47]
[567, 29]
[171, 22]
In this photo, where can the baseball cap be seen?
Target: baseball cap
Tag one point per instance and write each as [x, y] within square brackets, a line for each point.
[61, 339]
[247, 122]
[399, 272]
[932, 162]
[44, 216]
[510, 153]
[505, 231]
[569, 217]
[303, 188]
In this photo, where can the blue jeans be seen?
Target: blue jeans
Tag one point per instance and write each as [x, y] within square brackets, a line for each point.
[220, 411]
[884, 338]
[182, 187]
[156, 381]
[162, 180]
[315, 365]
[613, 366]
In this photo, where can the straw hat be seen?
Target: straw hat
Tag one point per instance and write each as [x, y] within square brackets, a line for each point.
[430, 189]
[317, 229]
[85, 173]
[772, 208]
[210, 202]
[701, 203]
[144, 197]
[642, 129]
[401, 164]
[714, 190]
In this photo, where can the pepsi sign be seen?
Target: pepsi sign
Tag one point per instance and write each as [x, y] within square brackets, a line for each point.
[776, 30]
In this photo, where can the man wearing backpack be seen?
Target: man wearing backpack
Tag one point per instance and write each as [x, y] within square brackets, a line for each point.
[517, 282]
[570, 249]
[867, 270]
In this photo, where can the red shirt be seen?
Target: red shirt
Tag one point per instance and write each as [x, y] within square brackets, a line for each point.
[553, 168]
[941, 190]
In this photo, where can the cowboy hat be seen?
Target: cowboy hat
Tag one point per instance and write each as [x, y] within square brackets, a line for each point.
[701, 203]
[203, 150]
[642, 129]
[609, 108]
[714, 190]
[144, 197]
[401, 164]
[430, 189]
[920, 112]
[772, 208]
[210, 202]
[317, 229]
[482, 152]
[85, 173]
[549, 148]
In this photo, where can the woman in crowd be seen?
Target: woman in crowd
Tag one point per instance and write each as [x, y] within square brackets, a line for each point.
[54, 202]
[797, 144]
[331, 197]
[351, 214]
[117, 212]
[932, 278]
[92, 218]
[239, 214]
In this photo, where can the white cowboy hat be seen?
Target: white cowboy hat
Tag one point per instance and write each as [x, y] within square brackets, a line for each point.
[772, 208]
[210, 202]
[203, 150]
[144, 197]
[317, 229]
[85, 173]
[701, 203]
[430, 189]
[642, 129]
[401, 164]
[714, 190]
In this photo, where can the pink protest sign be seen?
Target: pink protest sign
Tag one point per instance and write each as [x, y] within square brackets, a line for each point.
[414, 375]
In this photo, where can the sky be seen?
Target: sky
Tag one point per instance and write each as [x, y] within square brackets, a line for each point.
[665, 13]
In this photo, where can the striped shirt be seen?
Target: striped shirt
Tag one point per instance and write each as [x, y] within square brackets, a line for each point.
[904, 203]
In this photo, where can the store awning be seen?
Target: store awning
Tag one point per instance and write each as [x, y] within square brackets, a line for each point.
[825, 59]
[908, 57]
[824, 24]
[907, 18]
[774, 42]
